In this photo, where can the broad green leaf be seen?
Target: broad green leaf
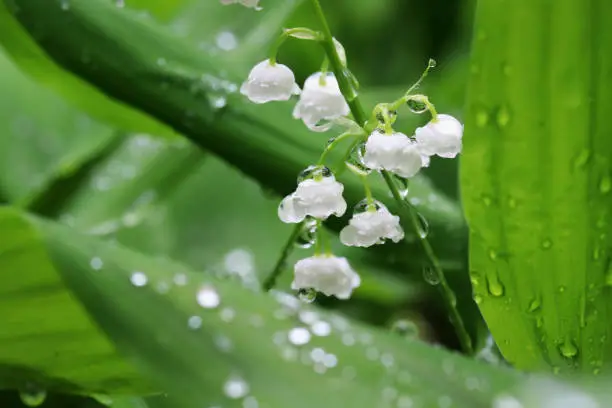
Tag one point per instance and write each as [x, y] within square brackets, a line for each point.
[188, 93]
[537, 182]
[42, 138]
[47, 338]
[155, 318]
[33, 60]
[120, 190]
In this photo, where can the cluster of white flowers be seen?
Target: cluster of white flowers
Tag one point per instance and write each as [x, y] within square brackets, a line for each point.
[318, 194]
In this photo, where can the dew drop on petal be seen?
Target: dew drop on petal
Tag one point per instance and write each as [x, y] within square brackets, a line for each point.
[299, 336]
[307, 295]
[139, 279]
[208, 297]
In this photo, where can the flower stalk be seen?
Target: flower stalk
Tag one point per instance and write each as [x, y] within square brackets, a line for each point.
[360, 117]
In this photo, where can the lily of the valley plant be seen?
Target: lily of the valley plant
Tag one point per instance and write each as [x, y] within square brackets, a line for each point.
[380, 147]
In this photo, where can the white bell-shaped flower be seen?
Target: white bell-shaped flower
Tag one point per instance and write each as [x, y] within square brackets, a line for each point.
[269, 82]
[441, 136]
[321, 102]
[315, 197]
[330, 275]
[372, 226]
[393, 152]
[247, 3]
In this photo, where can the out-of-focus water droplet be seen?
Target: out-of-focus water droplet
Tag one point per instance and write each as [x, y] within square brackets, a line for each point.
[355, 162]
[546, 244]
[422, 226]
[307, 295]
[226, 41]
[430, 275]
[511, 202]
[506, 401]
[299, 336]
[194, 322]
[180, 279]
[605, 184]
[478, 299]
[494, 285]
[139, 279]
[250, 402]
[65, 4]
[561, 289]
[227, 314]
[96, 263]
[482, 118]
[308, 235]
[162, 62]
[314, 172]
[236, 387]
[32, 395]
[582, 159]
[503, 116]
[321, 328]
[405, 328]
[208, 297]
[568, 349]
[120, 3]
[492, 254]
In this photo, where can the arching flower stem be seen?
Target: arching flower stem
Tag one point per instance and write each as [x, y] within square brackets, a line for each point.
[360, 117]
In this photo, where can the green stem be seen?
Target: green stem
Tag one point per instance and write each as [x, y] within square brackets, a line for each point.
[270, 281]
[360, 117]
[450, 300]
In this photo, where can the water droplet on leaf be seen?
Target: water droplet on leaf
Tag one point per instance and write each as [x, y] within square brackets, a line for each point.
[494, 285]
[405, 328]
[32, 395]
[299, 336]
[416, 105]
[208, 297]
[568, 349]
[139, 279]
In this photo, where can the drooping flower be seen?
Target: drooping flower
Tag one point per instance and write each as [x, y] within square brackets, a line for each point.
[321, 101]
[330, 275]
[372, 226]
[270, 82]
[247, 3]
[316, 197]
[393, 152]
[441, 136]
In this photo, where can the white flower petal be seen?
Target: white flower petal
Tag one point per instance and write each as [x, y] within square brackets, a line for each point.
[393, 152]
[267, 82]
[320, 102]
[318, 198]
[442, 137]
[330, 275]
[287, 211]
[372, 227]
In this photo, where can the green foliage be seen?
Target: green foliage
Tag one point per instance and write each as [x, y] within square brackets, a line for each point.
[536, 177]
[246, 335]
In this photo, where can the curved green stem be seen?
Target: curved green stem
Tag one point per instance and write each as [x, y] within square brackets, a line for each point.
[360, 117]
[270, 281]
